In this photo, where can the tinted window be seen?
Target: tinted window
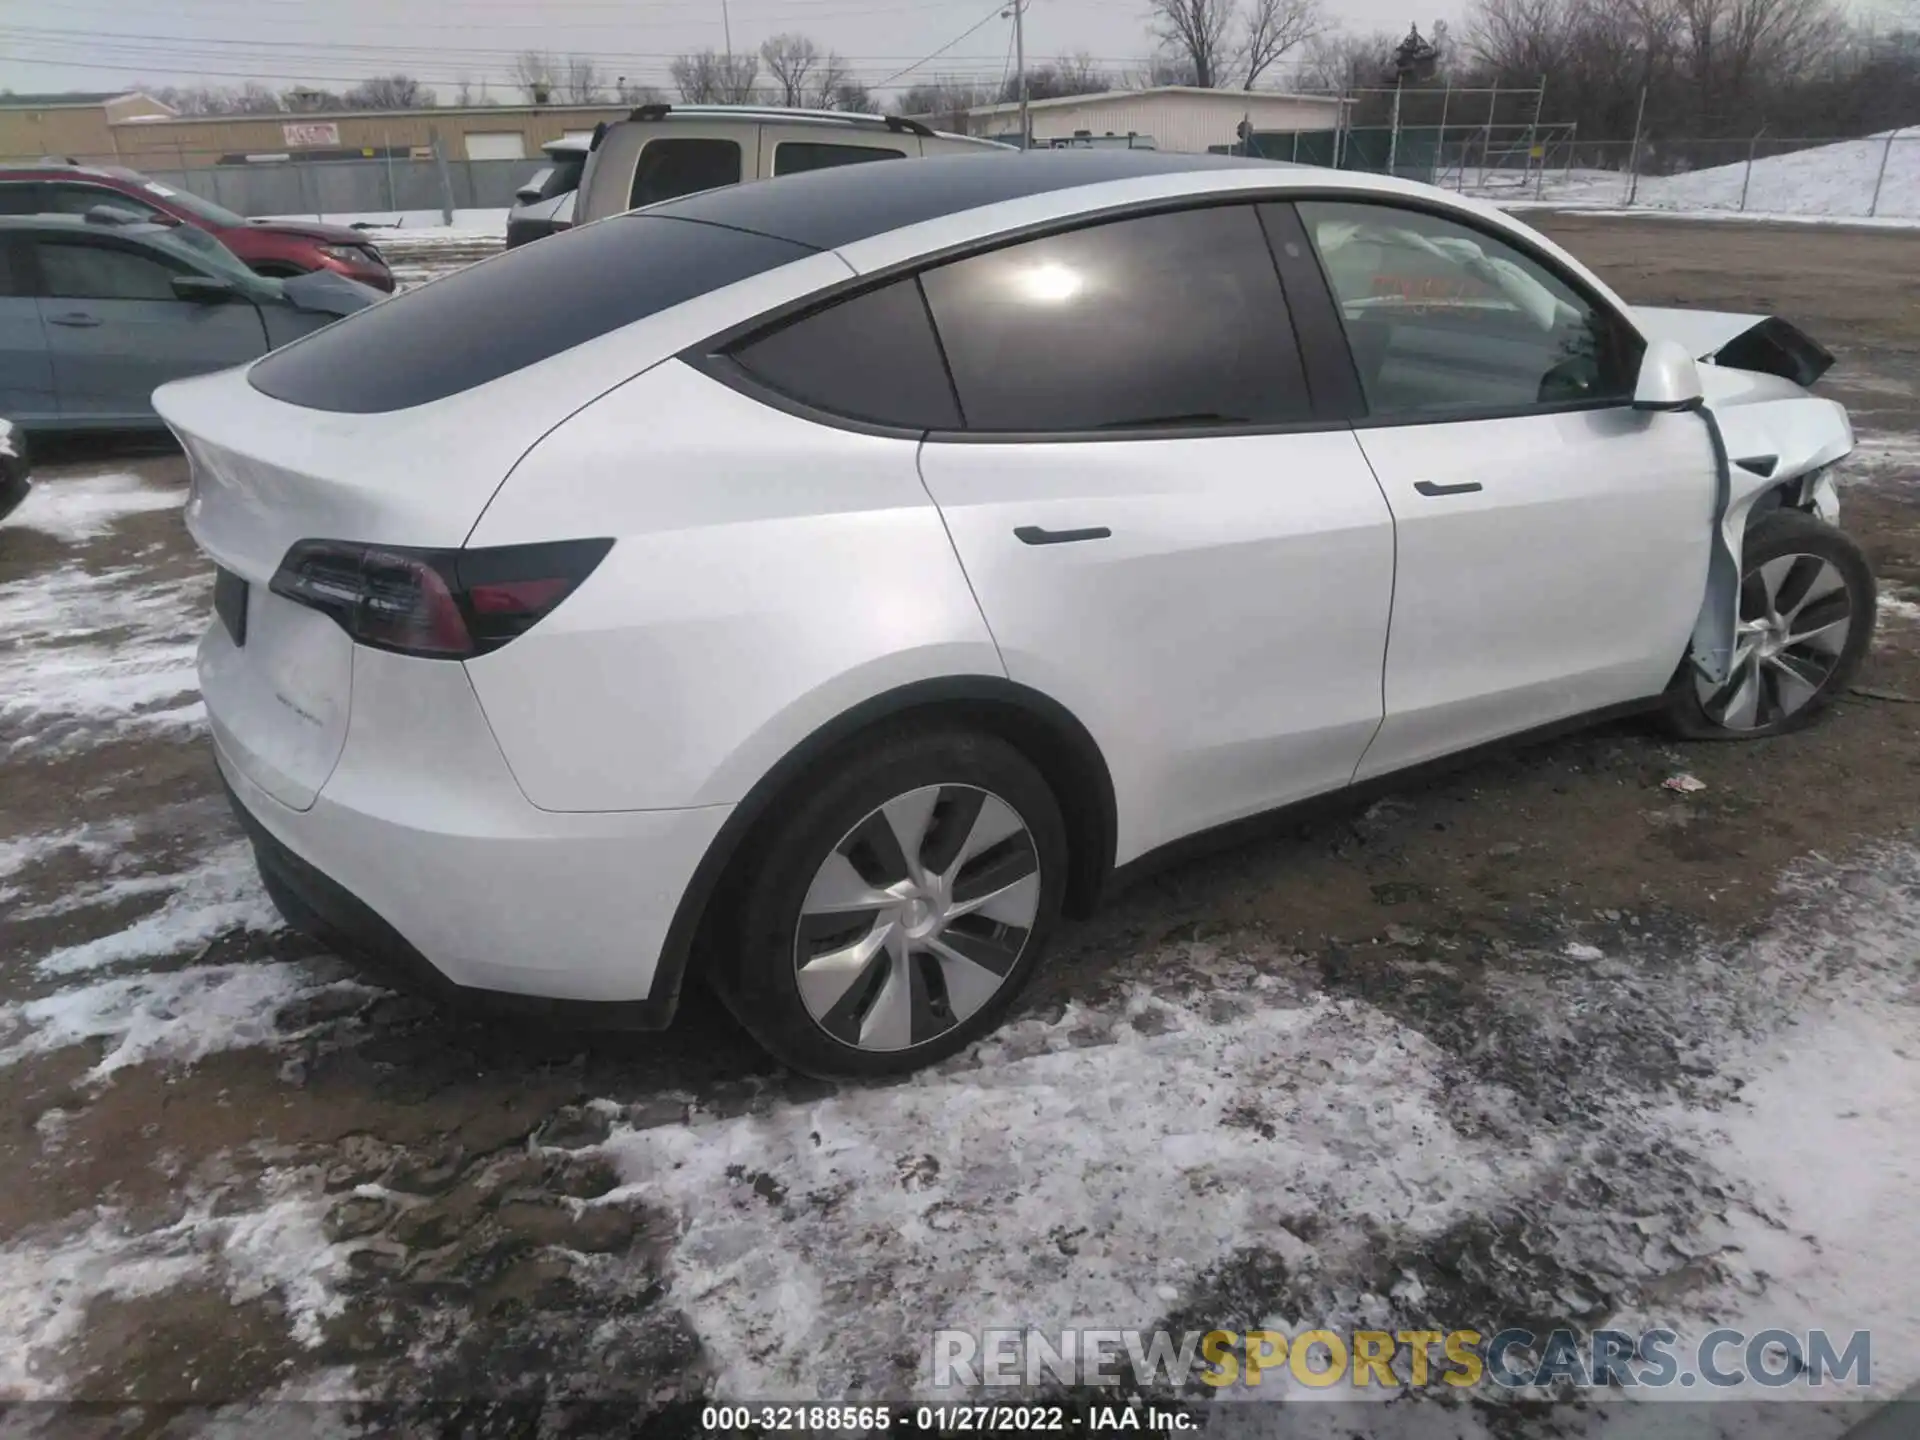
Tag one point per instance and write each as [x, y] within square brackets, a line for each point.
[78, 199]
[493, 318]
[873, 357]
[1164, 320]
[19, 199]
[790, 157]
[1445, 320]
[75, 270]
[671, 168]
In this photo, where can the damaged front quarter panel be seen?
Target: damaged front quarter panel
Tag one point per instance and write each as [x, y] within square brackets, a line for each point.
[1769, 451]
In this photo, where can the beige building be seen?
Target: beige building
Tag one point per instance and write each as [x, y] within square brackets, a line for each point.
[75, 123]
[484, 132]
[137, 130]
[1175, 117]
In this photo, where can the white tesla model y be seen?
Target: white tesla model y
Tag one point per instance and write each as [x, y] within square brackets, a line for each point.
[818, 585]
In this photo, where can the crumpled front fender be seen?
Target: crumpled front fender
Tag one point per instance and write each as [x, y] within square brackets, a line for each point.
[1761, 446]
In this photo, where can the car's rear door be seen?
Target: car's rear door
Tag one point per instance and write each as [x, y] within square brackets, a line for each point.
[117, 331]
[1552, 541]
[26, 367]
[1162, 534]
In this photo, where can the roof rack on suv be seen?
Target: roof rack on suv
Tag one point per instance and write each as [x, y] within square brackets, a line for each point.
[899, 124]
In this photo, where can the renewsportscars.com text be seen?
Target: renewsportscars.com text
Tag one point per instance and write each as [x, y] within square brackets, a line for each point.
[1380, 1361]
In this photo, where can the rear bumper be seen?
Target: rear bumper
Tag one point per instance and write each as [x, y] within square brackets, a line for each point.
[421, 855]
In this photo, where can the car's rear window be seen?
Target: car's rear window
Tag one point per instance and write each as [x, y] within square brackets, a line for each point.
[478, 324]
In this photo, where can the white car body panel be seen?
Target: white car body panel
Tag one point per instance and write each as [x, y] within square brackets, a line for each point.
[422, 822]
[1223, 645]
[809, 558]
[1494, 630]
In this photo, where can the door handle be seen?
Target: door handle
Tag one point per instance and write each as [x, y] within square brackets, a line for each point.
[76, 320]
[1036, 535]
[1427, 487]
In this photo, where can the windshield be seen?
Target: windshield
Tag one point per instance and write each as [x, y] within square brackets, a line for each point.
[209, 255]
[200, 209]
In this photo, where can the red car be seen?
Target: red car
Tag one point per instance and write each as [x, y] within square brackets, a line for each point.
[269, 247]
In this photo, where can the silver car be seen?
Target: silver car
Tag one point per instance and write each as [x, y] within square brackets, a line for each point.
[97, 310]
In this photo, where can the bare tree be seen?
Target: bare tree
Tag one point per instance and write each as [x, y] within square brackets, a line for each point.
[1074, 74]
[942, 97]
[1272, 28]
[708, 77]
[389, 92]
[632, 92]
[790, 61]
[1341, 60]
[533, 73]
[1196, 31]
[580, 82]
[852, 95]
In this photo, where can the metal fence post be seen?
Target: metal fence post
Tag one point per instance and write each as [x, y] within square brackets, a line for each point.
[386, 144]
[446, 180]
[1746, 184]
[1633, 155]
[1881, 178]
[1437, 171]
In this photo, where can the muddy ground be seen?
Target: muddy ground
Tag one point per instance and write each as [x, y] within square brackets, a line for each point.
[239, 1172]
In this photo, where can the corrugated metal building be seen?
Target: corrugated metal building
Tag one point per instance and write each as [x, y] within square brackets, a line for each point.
[74, 122]
[1176, 117]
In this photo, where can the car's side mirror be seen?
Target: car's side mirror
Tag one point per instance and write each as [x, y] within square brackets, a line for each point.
[203, 289]
[1669, 378]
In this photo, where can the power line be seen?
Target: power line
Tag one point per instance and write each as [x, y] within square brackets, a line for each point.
[992, 14]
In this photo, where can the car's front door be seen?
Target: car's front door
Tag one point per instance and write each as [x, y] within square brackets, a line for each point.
[117, 331]
[1552, 541]
[26, 369]
[1160, 535]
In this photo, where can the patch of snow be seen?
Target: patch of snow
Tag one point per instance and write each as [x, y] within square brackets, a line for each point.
[90, 650]
[1879, 451]
[48, 1283]
[178, 1016]
[86, 507]
[1894, 606]
[221, 891]
[95, 842]
[384, 225]
[1825, 184]
[952, 1198]
[1577, 951]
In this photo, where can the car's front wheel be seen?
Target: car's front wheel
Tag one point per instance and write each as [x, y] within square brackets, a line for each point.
[1807, 602]
[895, 912]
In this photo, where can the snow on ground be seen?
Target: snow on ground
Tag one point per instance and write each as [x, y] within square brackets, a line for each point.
[87, 649]
[1826, 182]
[86, 507]
[1150, 1144]
[48, 1283]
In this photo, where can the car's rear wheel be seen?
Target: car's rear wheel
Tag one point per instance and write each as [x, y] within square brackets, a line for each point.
[1806, 618]
[892, 916]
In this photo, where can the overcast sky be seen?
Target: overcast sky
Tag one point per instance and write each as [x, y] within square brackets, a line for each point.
[103, 44]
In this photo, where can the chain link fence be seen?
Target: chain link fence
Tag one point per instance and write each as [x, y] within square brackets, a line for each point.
[1840, 178]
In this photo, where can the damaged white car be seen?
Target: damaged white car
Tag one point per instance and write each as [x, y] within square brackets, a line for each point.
[820, 585]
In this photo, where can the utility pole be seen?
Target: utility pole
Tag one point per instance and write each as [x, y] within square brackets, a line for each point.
[1020, 50]
[726, 26]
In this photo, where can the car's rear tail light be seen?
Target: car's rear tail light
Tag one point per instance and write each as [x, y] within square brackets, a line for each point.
[439, 604]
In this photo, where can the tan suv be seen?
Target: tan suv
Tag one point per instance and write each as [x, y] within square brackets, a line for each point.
[663, 151]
